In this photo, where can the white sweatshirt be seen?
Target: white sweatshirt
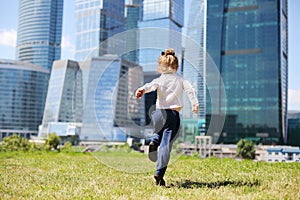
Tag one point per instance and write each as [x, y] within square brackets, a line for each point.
[170, 88]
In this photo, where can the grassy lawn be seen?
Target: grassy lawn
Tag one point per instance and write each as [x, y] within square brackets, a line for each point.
[41, 175]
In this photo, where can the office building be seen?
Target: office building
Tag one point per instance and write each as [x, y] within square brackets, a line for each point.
[293, 137]
[160, 27]
[96, 21]
[96, 98]
[111, 112]
[39, 31]
[287, 154]
[132, 16]
[195, 73]
[155, 15]
[22, 92]
[248, 40]
[64, 101]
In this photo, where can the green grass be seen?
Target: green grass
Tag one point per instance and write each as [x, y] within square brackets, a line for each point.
[41, 175]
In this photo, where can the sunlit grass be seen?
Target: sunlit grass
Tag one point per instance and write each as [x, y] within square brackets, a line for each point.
[41, 175]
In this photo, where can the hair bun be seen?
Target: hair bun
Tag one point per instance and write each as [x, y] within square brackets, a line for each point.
[168, 51]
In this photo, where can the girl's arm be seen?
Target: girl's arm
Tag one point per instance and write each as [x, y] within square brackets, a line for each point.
[148, 87]
[191, 93]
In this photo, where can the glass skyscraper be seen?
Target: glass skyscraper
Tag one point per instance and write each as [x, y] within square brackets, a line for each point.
[160, 25]
[132, 16]
[164, 14]
[64, 101]
[111, 111]
[22, 92]
[40, 31]
[195, 74]
[247, 39]
[293, 129]
[96, 21]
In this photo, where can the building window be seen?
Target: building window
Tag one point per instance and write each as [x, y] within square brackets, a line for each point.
[289, 156]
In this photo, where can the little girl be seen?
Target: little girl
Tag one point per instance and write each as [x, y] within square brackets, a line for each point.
[166, 120]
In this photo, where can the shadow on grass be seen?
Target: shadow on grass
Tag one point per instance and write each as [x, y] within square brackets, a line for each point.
[192, 184]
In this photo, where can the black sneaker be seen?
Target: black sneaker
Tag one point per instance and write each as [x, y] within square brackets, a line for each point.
[159, 181]
[152, 155]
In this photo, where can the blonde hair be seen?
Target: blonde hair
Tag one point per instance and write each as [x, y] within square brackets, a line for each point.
[167, 62]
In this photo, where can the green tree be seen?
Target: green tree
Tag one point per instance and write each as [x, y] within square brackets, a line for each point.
[245, 149]
[52, 141]
[15, 143]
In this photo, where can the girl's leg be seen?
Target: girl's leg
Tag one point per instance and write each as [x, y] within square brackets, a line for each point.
[158, 119]
[170, 133]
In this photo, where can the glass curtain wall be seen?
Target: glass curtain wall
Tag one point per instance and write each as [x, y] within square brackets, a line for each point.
[247, 41]
[96, 21]
[40, 31]
[22, 92]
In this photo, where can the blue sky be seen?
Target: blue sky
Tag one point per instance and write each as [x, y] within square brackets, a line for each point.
[8, 35]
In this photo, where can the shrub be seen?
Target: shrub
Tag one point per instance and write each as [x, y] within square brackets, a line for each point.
[15, 143]
[126, 148]
[37, 146]
[67, 147]
[52, 142]
[245, 149]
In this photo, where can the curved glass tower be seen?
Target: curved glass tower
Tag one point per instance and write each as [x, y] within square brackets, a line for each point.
[22, 92]
[40, 31]
[64, 97]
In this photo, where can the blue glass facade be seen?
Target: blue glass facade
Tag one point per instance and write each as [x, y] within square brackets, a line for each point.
[195, 74]
[108, 114]
[132, 16]
[160, 25]
[22, 92]
[158, 9]
[248, 42]
[96, 21]
[294, 129]
[64, 101]
[165, 14]
[40, 31]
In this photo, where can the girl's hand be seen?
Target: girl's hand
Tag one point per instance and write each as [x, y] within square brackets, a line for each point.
[139, 93]
[195, 108]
